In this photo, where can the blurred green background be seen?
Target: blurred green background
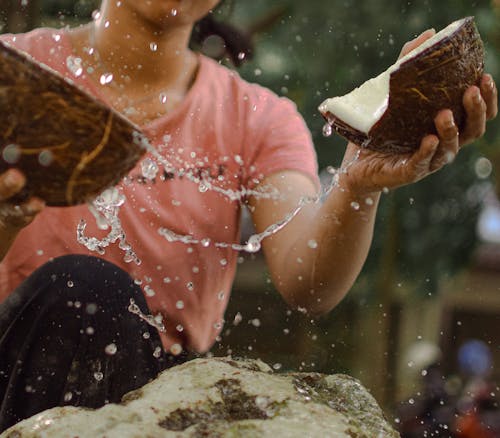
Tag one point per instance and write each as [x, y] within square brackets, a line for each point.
[429, 279]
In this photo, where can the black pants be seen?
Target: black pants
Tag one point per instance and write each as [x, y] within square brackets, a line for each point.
[67, 338]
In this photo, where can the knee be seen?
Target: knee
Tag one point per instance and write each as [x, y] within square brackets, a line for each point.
[84, 279]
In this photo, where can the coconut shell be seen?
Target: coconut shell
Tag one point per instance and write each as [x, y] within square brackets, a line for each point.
[432, 80]
[69, 146]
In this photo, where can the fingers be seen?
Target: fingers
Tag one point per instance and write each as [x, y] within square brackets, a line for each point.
[475, 106]
[413, 44]
[490, 96]
[448, 140]
[11, 182]
[481, 105]
[16, 215]
[420, 162]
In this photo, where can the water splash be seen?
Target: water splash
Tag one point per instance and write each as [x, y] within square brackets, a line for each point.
[105, 209]
[154, 321]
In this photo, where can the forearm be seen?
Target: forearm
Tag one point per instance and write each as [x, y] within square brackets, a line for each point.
[322, 263]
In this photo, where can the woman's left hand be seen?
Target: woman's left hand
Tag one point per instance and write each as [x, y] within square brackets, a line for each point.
[368, 171]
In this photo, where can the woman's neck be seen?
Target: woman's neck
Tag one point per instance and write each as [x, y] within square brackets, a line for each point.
[133, 48]
[150, 70]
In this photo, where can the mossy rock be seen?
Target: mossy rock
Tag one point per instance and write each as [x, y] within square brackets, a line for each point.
[222, 397]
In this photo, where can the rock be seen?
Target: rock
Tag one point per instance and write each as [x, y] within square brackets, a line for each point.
[222, 397]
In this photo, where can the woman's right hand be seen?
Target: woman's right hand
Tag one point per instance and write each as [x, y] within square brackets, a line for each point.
[14, 216]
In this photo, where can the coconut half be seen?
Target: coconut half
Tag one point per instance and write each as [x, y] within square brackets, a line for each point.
[69, 145]
[395, 110]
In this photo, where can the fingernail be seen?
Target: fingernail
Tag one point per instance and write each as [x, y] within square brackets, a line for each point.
[477, 97]
[450, 122]
[490, 83]
[37, 204]
[11, 179]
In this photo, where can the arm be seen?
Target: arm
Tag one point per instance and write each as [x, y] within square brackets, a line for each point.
[316, 258]
[14, 217]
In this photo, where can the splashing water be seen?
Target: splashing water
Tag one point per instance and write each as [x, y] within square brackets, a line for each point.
[105, 209]
[154, 321]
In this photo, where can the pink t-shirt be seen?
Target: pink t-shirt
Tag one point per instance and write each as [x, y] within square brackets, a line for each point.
[226, 128]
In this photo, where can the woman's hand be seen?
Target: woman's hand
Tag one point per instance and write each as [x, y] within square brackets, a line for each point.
[368, 171]
[14, 216]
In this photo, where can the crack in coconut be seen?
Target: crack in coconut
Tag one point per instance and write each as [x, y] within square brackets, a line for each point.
[431, 77]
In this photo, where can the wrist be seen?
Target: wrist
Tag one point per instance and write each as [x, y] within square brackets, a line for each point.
[356, 193]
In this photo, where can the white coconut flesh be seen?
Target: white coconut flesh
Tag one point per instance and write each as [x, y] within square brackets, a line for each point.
[365, 105]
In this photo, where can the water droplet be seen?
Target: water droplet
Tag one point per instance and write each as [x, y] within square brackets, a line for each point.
[70, 284]
[146, 335]
[312, 244]
[157, 352]
[68, 396]
[110, 349]
[277, 366]
[74, 65]
[327, 130]
[223, 262]
[176, 349]
[45, 158]
[205, 242]
[153, 46]
[173, 12]
[90, 330]
[355, 205]
[255, 322]
[91, 308]
[237, 319]
[179, 304]
[241, 56]
[150, 292]
[203, 187]
[179, 328]
[253, 245]
[149, 168]
[106, 78]
[11, 153]
[163, 98]
[98, 376]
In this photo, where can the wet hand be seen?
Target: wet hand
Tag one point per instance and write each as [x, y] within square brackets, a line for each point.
[14, 216]
[368, 171]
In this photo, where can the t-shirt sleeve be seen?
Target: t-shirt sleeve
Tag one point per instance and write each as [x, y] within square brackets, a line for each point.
[277, 138]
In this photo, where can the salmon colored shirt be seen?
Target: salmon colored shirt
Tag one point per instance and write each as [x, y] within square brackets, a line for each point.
[229, 129]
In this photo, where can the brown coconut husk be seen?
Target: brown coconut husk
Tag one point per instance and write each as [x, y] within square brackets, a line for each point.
[70, 146]
[433, 80]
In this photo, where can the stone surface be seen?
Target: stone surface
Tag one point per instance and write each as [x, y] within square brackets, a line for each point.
[222, 397]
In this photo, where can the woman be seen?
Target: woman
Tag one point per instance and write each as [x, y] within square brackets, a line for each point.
[206, 120]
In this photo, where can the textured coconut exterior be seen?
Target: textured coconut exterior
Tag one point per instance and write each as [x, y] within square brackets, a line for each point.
[69, 145]
[434, 79]
[220, 398]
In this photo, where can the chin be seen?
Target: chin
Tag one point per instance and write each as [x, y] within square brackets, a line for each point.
[165, 13]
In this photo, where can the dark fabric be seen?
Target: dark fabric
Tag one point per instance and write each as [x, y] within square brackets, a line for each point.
[56, 331]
